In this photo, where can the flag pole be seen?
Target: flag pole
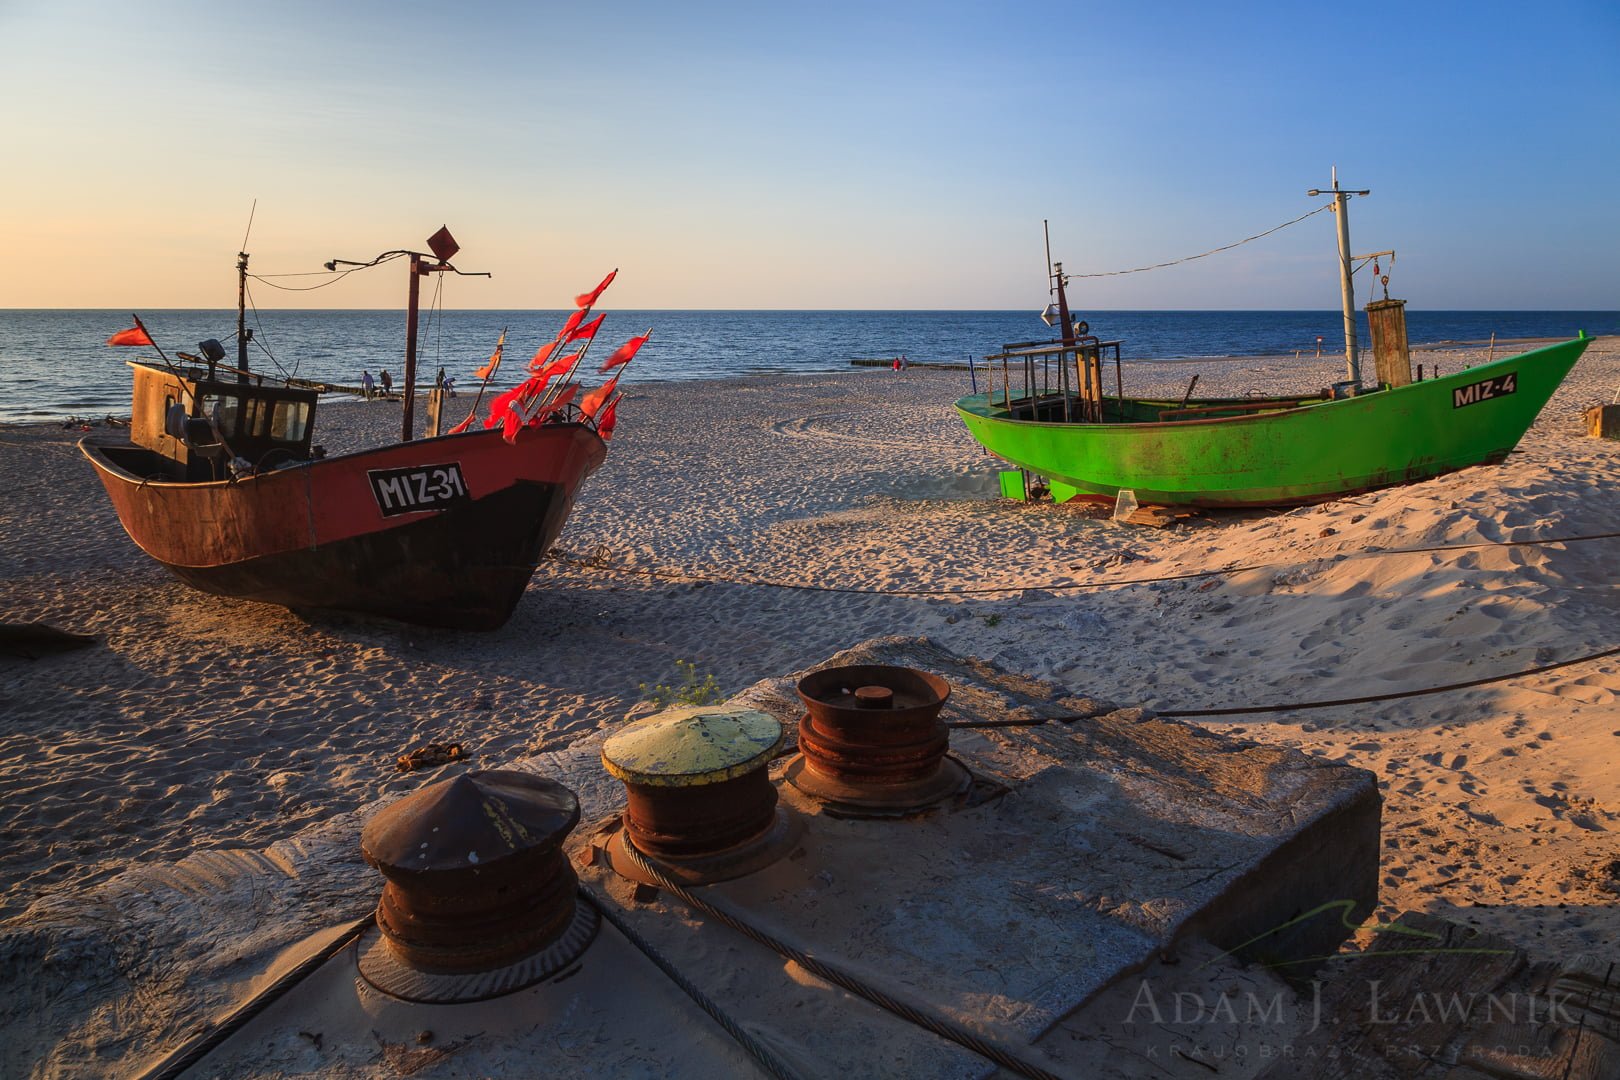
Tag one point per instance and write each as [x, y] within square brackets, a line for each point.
[501, 348]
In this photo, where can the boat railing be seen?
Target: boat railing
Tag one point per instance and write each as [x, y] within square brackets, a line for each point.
[1046, 375]
[1269, 404]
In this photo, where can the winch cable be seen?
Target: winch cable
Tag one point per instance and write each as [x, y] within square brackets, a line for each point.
[183, 1058]
[757, 1050]
[720, 579]
[937, 1025]
[1244, 710]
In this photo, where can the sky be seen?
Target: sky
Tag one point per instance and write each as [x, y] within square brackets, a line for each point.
[817, 156]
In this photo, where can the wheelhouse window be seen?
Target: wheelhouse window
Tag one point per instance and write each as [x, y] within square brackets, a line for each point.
[228, 408]
[291, 421]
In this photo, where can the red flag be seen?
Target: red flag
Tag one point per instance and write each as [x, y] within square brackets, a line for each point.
[563, 398]
[565, 334]
[624, 353]
[561, 365]
[610, 417]
[595, 398]
[464, 425]
[135, 335]
[505, 402]
[587, 330]
[489, 369]
[518, 416]
[585, 300]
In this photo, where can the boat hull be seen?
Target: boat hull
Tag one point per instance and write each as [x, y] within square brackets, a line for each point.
[437, 532]
[1304, 454]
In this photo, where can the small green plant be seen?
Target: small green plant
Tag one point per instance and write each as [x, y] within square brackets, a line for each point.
[688, 689]
[992, 619]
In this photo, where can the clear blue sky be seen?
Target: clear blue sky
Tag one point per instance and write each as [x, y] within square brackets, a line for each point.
[809, 156]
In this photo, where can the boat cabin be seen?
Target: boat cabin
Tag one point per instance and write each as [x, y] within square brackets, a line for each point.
[199, 423]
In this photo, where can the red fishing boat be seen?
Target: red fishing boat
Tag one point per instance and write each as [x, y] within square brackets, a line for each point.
[220, 482]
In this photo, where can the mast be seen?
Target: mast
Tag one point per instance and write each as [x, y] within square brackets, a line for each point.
[241, 315]
[410, 345]
[443, 246]
[1347, 288]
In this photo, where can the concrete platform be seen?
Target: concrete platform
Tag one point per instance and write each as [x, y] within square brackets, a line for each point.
[1102, 863]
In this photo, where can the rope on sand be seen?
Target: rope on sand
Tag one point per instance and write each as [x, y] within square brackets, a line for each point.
[1292, 706]
[601, 563]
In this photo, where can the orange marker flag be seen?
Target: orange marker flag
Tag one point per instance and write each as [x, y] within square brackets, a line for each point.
[624, 353]
[544, 353]
[585, 300]
[135, 335]
[595, 398]
[489, 369]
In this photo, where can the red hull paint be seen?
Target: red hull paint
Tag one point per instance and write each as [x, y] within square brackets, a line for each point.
[315, 535]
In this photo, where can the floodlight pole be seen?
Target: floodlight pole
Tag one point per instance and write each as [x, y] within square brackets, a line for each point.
[1341, 208]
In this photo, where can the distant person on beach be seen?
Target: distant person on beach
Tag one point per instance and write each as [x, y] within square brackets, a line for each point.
[387, 382]
[900, 362]
[450, 386]
[367, 386]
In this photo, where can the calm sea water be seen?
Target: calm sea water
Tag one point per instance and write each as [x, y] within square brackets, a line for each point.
[53, 364]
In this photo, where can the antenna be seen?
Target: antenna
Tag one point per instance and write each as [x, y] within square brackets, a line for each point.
[1047, 231]
[246, 232]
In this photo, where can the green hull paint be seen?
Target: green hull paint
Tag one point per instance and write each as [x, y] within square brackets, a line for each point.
[1314, 451]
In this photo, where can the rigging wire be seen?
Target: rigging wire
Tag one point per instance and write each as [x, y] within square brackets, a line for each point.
[334, 276]
[249, 230]
[258, 338]
[1202, 254]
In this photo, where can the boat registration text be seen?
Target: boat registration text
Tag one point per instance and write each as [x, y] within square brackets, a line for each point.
[1484, 390]
[422, 487]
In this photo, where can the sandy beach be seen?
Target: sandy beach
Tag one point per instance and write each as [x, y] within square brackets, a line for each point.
[755, 526]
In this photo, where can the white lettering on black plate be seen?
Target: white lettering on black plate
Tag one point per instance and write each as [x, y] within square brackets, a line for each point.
[1485, 390]
[422, 487]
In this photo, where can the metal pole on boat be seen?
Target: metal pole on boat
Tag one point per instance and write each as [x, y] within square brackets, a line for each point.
[241, 315]
[1341, 208]
[410, 345]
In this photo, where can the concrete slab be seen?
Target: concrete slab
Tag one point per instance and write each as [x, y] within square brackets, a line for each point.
[1096, 845]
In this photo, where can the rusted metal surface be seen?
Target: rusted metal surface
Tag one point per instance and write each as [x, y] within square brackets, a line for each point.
[873, 725]
[682, 822]
[698, 789]
[476, 877]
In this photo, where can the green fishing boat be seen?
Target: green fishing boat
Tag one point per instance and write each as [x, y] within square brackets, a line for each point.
[1060, 424]
[1269, 451]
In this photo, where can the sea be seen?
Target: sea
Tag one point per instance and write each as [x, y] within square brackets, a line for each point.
[54, 364]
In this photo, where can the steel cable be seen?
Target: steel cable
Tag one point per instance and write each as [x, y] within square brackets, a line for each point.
[762, 1054]
[937, 1025]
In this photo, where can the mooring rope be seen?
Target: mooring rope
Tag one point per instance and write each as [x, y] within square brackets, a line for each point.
[1240, 710]
[969, 590]
[939, 1026]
